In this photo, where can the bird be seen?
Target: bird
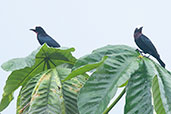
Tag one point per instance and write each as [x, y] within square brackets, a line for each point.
[43, 37]
[146, 45]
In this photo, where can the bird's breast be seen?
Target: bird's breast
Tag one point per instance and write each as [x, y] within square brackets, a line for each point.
[137, 35]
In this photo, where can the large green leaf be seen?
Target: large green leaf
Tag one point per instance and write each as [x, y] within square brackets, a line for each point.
[47, 97]
[138, 92]
[98, 54]
[97, 57]
[103, 83]
[158, 105]
[24, 96]
[45, 58]
[84, 69]
[44, 93]
[122, 62]
[20, 63]
[163, 89]
[71, 89]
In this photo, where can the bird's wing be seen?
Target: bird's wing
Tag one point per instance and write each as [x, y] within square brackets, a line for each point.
[50, 41]
[148, 43]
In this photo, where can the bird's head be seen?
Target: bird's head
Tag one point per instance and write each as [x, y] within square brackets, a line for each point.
[38, 30]
[138, 30]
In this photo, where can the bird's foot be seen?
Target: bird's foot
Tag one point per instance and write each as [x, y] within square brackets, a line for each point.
[140, 56]
[147, 56]
[139, 51]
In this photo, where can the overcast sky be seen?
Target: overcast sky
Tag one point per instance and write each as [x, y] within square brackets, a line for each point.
[82, 24]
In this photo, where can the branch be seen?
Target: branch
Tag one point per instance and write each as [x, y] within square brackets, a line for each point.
[114, 103]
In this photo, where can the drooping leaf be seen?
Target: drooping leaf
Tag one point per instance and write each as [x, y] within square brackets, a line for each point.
[103, 83]
[108, 50]
[99, 89]
[85, 68]
[24, 96]
[163, 90]
[98, 56]
[158, 105]
[20, 63]
[138, 92]
[71, 89]
[45, 58]
[5, 101]
[49, 95]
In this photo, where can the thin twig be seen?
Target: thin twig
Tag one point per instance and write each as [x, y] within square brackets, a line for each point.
[114, 103]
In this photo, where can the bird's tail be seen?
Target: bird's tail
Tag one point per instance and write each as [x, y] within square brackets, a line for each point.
[161, 62]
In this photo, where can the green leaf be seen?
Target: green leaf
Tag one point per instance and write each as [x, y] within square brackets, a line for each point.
[138, 92]
[46, 58]
[158, 105]
[47, 96]
[5, 101]
[24, 97]
[44, 93]
[98, 54]
[103, 83]
[164, 87]
[85, 68]
[71, 89]
[63, 55]
[19, 63]
[123, 85]
[94, 60]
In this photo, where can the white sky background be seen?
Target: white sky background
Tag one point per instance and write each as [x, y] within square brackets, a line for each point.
[83, 24]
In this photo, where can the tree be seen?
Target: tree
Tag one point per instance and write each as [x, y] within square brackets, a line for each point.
[53, 81]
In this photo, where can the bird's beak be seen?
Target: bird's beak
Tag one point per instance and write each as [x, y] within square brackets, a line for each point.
[140, 29]
[33, 30]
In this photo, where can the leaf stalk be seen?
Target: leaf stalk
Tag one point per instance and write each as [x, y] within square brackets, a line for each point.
[115, 101]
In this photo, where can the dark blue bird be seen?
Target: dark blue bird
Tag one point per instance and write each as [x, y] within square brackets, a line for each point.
[43, 37]
[145, 44]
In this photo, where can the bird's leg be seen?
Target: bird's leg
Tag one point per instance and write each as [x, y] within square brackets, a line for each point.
[139, 51]
[148, 56]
